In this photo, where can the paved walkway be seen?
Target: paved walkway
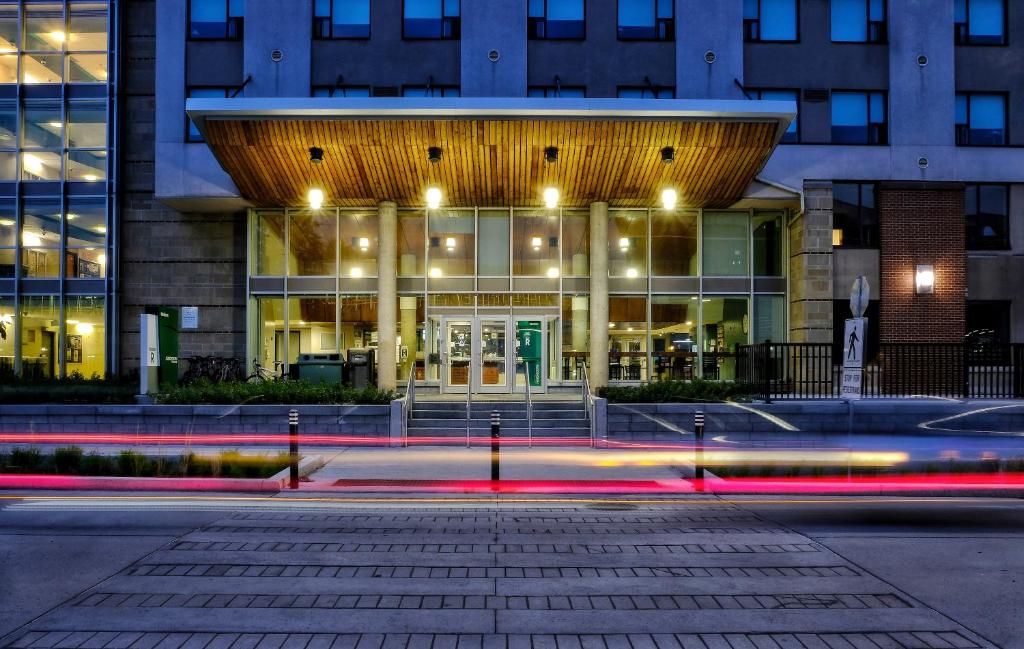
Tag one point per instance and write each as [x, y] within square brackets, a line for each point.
[299, 573]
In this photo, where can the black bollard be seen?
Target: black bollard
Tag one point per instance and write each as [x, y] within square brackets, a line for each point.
[698, 433]
[495, 436]
[293, 447]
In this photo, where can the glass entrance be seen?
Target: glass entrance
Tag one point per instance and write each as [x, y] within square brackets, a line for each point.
[492, 354]
[456, 354]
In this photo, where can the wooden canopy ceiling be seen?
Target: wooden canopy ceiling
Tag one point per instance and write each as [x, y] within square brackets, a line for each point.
[490, 160]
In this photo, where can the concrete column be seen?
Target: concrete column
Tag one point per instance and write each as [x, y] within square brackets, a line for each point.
[387, 294]
[408, 328]
[810, 267]
[580, 314]
[598, 295]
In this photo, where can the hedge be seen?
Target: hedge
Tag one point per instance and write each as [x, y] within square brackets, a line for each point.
[272, 393]
[69, 460]
[678, 391]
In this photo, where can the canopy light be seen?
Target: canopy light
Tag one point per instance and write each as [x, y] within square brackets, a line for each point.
[551, 154]
[668, 155]
[551, 198]
[316, 199]
[535, 243]
[316, 155]
[552, 272]
[449, 243]
[668, 199]
[434, 154]
[364, 244]
[924, 279]
[433, 198]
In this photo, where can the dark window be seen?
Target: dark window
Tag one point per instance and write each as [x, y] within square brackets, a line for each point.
[980, 119]
[840, 314]
[771, 20]
[792, 134]
[430, 19]
[215, 19]
[341, 19]
[430, 91]
[987, 213]
[859, 118]
[192, 133]
[647, 92]
[980, 22]
[854, 215]
[562, 92]
[557, 19]
[341, 91]
[646, 20]
[988, 321]
[858, 21]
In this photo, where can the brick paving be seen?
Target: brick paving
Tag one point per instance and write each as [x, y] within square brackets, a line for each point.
[506, 577]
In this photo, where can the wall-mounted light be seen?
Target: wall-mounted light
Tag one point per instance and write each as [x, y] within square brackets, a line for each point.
[433, 198]
[449, 244]
[364, 244]
[551, 198]
[669, 198]
[924, 279]
[535, 243]
[316, 198]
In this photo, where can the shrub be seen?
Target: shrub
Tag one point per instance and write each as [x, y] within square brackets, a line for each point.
[26, 459]
[67, 460]
[96, 464]
[272, 392]
[73, 389]
[678, 391]
[130, 463]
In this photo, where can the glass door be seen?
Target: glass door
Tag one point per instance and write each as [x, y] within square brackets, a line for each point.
[456, 354]
[492, 374]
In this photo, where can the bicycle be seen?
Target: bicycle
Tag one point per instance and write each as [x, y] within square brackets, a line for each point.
[262, 374]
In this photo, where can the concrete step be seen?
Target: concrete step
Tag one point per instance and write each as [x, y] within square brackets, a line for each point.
[506, 433]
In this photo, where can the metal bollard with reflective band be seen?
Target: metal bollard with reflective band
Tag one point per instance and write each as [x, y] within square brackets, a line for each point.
[495, 438]
[698, 434]
[293, 448]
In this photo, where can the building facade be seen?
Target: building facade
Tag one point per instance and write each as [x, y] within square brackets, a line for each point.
[893, 152]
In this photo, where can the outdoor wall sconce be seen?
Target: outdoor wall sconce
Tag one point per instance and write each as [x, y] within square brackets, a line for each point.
[924, 279]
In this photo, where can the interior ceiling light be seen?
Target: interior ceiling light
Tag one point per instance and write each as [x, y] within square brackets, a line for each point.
[632, 273]
[356, 271]
[624, 243]
[551, 154]
[316, 155]
[434, 154]
[535, 243]
[551, 198]
[449, 243]
[668, 155]
[435, 272]
[364, 244]
[552, 272]
[433, 198]
[316, 198]
[669, 198]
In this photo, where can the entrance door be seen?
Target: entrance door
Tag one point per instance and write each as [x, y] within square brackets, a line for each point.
[491, 354]
[491, 374]
[456, 354]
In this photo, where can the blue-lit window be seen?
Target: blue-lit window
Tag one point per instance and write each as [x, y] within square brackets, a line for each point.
[561, 92]
[430, 19]
[191, 132]
[647, 20]
[430, 91]
[858, 21]
[980, 22]
[215, 19]
[980, 119]
[792, 134]
[557, 19]
[854, 215]
[341, 91]
[987, 212]
[859, 118]
[341, 19]
[647, 92]
[771, 20]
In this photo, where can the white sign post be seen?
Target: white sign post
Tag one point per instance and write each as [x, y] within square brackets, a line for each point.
[853, 339]
[149, 353]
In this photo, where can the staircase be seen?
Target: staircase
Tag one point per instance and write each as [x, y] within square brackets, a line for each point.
[445, 421]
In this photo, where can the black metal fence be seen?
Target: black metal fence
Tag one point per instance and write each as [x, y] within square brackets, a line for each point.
[955, 370]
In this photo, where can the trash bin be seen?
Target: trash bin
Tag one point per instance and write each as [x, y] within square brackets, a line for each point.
[321, 368]
[362, 367]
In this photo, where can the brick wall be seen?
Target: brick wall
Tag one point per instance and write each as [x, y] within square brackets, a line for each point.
[168, 257]
[922, 223]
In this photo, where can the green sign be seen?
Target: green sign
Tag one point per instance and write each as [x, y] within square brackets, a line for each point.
[529, 348]
[167, 334]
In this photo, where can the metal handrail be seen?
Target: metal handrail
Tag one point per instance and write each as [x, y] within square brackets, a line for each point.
[529, 406]
[410, 401]
[469, 398]
[588, 405]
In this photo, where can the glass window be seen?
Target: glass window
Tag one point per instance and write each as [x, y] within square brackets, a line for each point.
[674, 238]
[87, 27]
[40, 237]
[86, 228]
[86, 68]
[674, 336]
[769, 318]
[9, 27]
[987, 213]
[980, 119]
[216, 19]
[8, 237]
[411, 337]
[858, 21]
[647, 92]
[988, 321]
[270, 333]
[8, 68]
[451, 243]
[8, 124]
[192, 130]
[980, 22]
[430, 19]
[410, 243]
[646, 20]
[269, 242]
[854, 215]
[557, 19]
[312, 326]
[792, 134]
[44, 26]
[40, 328]
[859, 118]
[7, 345]
[493, 258]
[43, 125]
[312, 242]
[559, 91]
[85, 338]
[726, 244]
[535, 244]
[341, 19]
[627, 243]
[768, 236]
[86, 166]
[724, 325]
[627, 338]
[575, 243]
[770, 20]
[575, 335]
[87, 124]
[359, 243]
[430, 91]
[358, 321]
[42, 68]
[41, 165]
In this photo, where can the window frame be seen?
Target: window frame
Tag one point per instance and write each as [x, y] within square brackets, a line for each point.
[884, 132]
[531, 22]
[318, 35]
[861, 244]
[964, 39]
[655, 89]
[883, 38]
[799, 108]
[453, 23]
[748, 22]
[1002, 244]
[443, 87]
[188, 121]
[966, 127]
[237, 21]
[555, 91]
[670, 23]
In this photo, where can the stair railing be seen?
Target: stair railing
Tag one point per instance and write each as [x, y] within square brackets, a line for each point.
[469, 398]
[588, 405]
[529, 406]
[410, 401]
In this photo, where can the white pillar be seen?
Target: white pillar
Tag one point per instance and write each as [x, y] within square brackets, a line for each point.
[387, 294]
[408, 320]
[598, 295]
